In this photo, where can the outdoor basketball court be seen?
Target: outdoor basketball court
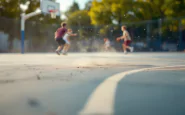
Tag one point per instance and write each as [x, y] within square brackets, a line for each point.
[81, 83]
[104, 83]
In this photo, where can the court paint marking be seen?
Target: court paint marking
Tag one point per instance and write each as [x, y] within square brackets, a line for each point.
[101, 101]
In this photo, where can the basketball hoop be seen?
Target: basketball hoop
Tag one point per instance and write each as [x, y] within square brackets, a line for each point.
[50, 7]
[53, 13]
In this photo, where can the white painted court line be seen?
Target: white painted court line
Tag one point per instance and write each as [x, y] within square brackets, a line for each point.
[101, 101]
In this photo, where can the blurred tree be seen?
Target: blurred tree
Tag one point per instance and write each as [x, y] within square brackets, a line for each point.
[88, 5]
[119, 11]
[33, 5]
[167, 8]
[74, 7]
[81, 20]
[100, 12]
[175, 8]
[111, 12]
[10, 8]
[143, 11]
[115, 11]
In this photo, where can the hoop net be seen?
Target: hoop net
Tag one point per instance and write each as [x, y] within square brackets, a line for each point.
[53, 13]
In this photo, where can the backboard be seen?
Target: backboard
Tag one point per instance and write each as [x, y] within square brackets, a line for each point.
[47, 6]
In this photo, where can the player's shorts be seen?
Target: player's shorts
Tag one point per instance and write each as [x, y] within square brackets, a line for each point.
[128, 42]
[60, 41]
[66, 40]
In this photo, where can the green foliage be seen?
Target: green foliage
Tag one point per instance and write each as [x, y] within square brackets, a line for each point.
[100, 13]
[79, 18]
[120, 11]
[73, 8]
[10, 8]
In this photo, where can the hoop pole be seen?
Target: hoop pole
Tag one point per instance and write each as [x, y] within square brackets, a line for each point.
[24, 17]
[32, 14]
[22, 32]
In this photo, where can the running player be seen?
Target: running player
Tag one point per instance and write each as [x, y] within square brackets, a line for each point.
[127, 40]
[66, 38]
[59, 34]
[107, 44]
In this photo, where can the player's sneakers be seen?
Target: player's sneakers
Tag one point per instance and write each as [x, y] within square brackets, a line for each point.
[125, 52]
[58, 53]
[131, 49]
[64, 53]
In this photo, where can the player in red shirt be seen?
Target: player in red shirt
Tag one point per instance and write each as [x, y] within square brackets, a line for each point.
[59, 34]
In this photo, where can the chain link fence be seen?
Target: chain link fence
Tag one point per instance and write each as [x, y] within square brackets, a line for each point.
[153, 35]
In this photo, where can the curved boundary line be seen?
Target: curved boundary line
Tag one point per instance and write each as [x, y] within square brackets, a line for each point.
[101, 101]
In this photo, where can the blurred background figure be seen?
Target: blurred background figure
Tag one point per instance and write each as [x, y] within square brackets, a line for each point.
[107, 44]
[127, 40]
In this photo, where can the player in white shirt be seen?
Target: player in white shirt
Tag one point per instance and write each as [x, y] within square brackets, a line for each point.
[107, 44]
[127, 40]
[66, 38]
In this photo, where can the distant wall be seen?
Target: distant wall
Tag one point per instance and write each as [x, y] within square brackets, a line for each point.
[3, 42]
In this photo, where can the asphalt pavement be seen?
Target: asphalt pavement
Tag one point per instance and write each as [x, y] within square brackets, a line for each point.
[92, 84]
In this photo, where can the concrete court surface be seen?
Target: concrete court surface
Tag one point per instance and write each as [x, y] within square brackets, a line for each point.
[92, 84]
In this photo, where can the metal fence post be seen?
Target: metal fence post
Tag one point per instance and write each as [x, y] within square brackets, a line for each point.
[148, 34]
[160, 32]
[180, 35]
